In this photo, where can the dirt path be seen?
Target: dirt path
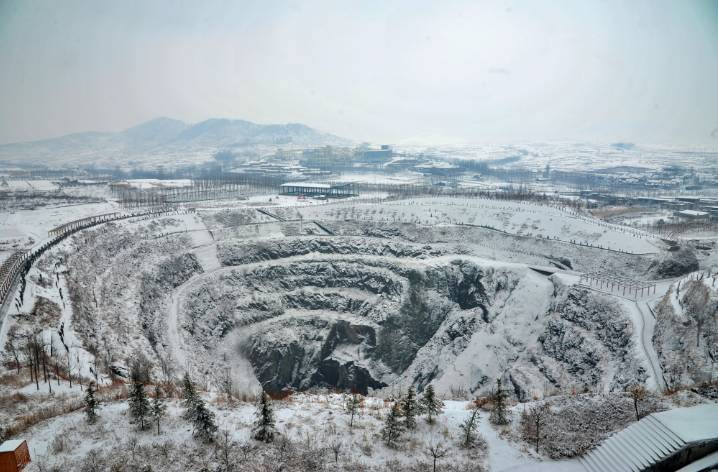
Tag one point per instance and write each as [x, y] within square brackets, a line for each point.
[204, 247]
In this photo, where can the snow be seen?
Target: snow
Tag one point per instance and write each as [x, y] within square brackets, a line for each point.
[519, 218]
[37, 222]
[701, 465]
[697, 423]
[646, 443]
[644, 324]
[381, 178]
[10, 445]
[301, 416]
[30, 185]
[306, 185]
[516, 315]
[145, 184]
[694, 213]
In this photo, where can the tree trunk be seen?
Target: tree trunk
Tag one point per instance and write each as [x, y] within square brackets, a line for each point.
[698, 335]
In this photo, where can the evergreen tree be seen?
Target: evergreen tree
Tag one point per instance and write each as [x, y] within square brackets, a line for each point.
[158, 409]
[91, 404]
[468, 429]
[498, 413]
[392, 426]
[352, 405]
[190, 397]
[431, 405]
[139, 404]
[197, 412]
[409, 409]
[204, 424]
[264, 429]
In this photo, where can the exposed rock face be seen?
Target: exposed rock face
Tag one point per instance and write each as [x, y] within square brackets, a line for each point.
[686, 332]
[155, 285]
[675, 263]
[464, 284]
[588, 335]
[565, 344]
[309, 351]
[238, 252]
[351, 312]
[558, 337]
[120, 278]
[348, 322]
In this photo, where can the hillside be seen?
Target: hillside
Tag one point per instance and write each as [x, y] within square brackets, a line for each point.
[155, 141]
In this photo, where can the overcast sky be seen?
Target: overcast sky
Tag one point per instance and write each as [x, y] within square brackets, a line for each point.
[442, 71]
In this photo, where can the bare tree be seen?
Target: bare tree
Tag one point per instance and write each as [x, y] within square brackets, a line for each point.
[225, 445]
[167, 368]
[696, 300]
[246, 448]
[436, 450]
[336, 445]
[638, 394]
[31, 349]
[140, 368]
[12, 346]
[531, 422]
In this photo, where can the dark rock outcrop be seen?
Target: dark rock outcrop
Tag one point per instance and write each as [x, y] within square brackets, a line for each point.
[303, 352]
[675, 263]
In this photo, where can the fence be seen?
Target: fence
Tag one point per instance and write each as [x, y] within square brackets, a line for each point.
[19, 263]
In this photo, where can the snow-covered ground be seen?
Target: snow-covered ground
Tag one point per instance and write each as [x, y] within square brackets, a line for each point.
[29, 227]
[14, 185]
[301, 416]
[147, 184]
[323, 292]
[519, 218]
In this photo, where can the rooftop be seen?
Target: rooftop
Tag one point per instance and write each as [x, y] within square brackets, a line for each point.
[306, 184]
[691, 424]
[10, 445]
[315, 185]
[692, 213]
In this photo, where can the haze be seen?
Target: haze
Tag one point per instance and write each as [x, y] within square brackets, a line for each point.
[440, 72]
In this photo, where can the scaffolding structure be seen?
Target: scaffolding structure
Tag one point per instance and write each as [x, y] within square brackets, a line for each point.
[624, 286]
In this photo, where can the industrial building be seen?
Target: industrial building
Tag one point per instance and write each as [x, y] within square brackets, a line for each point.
[376, 156]
[693, 215]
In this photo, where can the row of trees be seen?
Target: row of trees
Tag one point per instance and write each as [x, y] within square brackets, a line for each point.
[142, 410]
[145, 412]
[402, 419]
[403, 413]
[37, 350]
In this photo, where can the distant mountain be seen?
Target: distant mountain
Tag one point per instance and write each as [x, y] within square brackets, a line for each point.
[165, 141]
[154, 132]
